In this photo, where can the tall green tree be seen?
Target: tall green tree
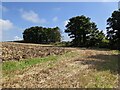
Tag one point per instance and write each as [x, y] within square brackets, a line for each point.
[83, 31]
[77, 28]
[113, 30]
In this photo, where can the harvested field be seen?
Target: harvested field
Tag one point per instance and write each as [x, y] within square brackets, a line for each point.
[78, 68]
[18, 51]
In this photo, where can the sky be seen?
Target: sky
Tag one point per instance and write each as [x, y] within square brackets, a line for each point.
[17, 16]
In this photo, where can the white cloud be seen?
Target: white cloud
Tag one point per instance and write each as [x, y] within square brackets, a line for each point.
[66, 22]
[31, 16]
[17, 38]
[6, 24]
[55, 19]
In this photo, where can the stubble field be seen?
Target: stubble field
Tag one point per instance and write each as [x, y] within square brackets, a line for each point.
[59, 68]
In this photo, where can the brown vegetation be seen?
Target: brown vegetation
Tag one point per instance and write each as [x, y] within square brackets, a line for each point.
[17, 51]
[79, 68]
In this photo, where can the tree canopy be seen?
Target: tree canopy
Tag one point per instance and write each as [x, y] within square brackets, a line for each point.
[42, 35]
[83, 31]
[113, 30]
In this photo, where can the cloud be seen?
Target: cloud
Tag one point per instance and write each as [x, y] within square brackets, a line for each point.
[31, 16]
[17, 38]
[6, 24]
[55, 19]
[66, 22]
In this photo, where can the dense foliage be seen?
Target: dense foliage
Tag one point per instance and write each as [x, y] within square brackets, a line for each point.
[42, 35]
[113, 30]
[84, 32]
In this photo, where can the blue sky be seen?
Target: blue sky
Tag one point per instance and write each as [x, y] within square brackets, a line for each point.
[16, 17]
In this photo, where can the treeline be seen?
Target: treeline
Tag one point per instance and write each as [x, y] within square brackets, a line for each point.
[42, 35]
[82, 30]
[85, 33]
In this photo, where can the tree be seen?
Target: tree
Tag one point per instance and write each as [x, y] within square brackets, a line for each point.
[53, 34]
[31, 34]
[42, 35]
[56, 36]
[113, 30]
[83, 32]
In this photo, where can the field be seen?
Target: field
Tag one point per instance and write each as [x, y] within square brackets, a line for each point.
[58, 67]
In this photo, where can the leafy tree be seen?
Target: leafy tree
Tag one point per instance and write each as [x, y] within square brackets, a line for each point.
[42, 35]
[83, 32]
[56, 34]
[53, 34]
[113, 30]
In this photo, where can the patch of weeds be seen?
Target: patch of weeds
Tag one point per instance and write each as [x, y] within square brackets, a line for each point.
[103, 79]
[10, 66]
[115, 51]
[62, 57]
[71, 54]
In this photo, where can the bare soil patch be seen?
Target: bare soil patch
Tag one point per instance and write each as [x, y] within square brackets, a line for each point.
[18, 51]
